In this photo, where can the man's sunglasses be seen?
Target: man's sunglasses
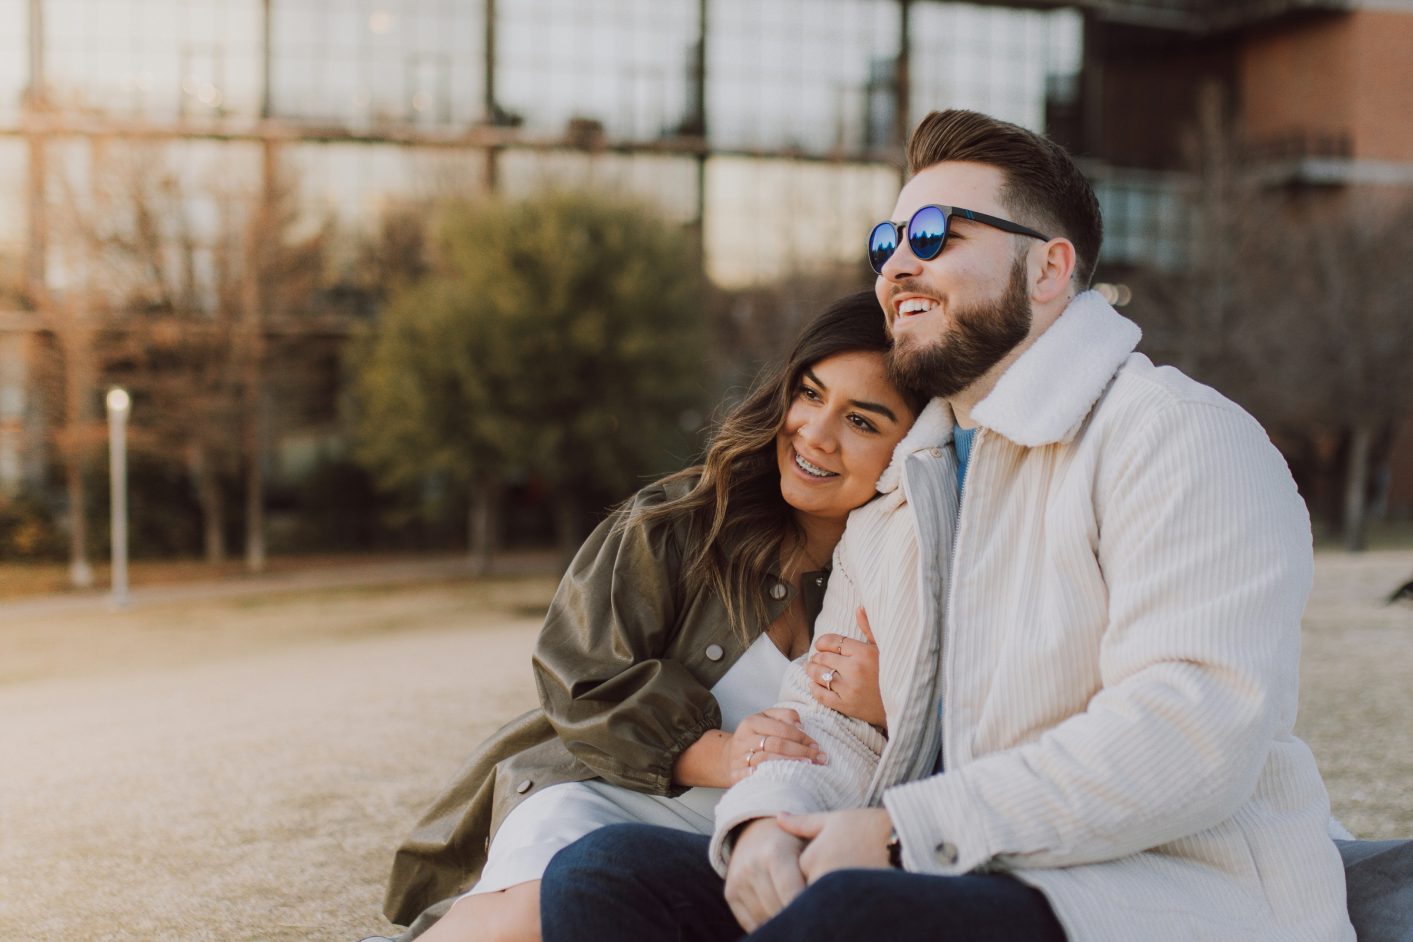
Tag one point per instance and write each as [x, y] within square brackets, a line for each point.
[927, 233]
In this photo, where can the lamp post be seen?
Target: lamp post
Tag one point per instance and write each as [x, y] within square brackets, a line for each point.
[119, 405]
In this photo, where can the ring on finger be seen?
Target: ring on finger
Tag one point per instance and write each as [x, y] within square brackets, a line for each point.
[828, 678]
[748, 756]
[761, 747]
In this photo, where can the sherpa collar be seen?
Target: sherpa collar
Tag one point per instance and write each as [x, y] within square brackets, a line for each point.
[931, 430]
[1046, 394]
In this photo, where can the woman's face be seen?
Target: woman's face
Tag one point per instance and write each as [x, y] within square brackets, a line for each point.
[840, 430]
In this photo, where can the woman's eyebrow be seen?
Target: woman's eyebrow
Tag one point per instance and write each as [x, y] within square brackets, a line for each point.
[874, 407]
[877, 407]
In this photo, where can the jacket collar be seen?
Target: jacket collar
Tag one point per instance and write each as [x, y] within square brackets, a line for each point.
[932, 429]
[1047, 393]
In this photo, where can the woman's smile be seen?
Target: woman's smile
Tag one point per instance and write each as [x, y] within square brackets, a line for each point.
[839, 432]
[810, 469]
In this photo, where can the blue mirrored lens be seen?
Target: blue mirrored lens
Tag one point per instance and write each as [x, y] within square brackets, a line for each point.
[927, 232]
[882, 243]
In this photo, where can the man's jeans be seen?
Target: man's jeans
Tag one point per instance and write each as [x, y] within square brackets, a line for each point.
[634, 881]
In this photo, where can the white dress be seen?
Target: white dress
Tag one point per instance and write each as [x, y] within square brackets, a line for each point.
[558, 816]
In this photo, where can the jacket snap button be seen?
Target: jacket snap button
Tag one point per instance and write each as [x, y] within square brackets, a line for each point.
[936, 452]
[947, 853]
[714, 652]
[778, 591]
[819, 580]
[524, 786]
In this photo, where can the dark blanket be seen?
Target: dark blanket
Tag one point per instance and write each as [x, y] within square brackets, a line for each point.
[1378, 879]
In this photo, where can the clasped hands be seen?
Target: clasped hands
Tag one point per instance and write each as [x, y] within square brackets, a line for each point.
[776, 858]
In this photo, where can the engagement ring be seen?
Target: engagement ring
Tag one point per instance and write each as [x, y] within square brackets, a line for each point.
[828, 680]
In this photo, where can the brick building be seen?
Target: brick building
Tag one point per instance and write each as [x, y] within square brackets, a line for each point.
[1321, 90]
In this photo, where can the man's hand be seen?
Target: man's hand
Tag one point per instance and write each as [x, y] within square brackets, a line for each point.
[840, 840]
[764, 873]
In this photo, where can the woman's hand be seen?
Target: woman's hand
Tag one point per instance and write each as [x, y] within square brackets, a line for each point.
[770, 734]
[720, 760]
[845, 675]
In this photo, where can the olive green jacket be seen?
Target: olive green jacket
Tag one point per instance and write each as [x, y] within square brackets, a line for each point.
[624, 666]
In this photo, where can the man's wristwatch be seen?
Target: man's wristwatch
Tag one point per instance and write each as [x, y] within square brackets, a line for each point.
[895, 850]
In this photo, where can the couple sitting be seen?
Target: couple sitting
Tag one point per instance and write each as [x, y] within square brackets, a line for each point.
[1048, 693]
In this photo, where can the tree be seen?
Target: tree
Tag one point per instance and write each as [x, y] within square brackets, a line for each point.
[171, 338]
[197, 297]
[66, 364]
[1327, 322]
[280, 274]
[560, 335]
[1298, 303]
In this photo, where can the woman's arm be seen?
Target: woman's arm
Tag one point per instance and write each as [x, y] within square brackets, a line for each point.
[720, 759]
[618, 705]
[705, 762]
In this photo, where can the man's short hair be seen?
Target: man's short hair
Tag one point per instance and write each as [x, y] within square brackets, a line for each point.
[1044, 189]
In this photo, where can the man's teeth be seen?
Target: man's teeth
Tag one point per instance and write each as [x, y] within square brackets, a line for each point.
[813, 470]
[916, 306]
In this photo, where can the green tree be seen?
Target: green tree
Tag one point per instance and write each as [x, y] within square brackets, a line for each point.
[560, 335]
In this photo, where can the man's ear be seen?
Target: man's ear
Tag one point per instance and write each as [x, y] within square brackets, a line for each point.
[1052, 267]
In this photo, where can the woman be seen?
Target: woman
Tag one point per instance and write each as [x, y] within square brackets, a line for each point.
[663, 650]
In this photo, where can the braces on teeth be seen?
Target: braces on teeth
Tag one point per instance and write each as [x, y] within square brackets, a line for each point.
[811, 469]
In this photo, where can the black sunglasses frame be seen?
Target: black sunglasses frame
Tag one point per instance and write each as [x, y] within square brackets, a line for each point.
[900, 229]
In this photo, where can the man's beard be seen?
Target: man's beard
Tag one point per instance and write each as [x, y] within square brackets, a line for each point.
[976, 340]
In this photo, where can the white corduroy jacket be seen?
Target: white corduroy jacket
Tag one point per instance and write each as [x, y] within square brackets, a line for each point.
[1112, 629]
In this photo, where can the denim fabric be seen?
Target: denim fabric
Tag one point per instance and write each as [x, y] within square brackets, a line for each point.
[638, 882]
[1378, 881]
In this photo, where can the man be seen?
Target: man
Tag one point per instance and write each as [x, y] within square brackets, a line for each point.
[1089, 670]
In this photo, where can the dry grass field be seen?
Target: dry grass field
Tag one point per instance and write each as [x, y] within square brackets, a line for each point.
[1356, 690]
[241, 769]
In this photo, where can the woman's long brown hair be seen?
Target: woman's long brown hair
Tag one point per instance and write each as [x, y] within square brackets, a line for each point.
[735, 520]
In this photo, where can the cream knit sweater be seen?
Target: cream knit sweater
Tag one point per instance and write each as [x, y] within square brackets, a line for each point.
[1117, 663]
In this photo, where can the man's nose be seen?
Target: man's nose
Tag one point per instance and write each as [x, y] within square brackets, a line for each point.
[902, 263]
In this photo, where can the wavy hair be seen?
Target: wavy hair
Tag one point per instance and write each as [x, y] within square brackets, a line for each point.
[735, 520]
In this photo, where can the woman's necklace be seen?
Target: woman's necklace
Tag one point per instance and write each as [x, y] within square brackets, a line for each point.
[790, 632]
[815, 564]
[802, 552]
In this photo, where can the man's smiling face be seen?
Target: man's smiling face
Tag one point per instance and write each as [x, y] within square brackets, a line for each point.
[957, 315]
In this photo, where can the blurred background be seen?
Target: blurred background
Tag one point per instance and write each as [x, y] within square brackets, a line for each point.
[389, 276]
[406, 293]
